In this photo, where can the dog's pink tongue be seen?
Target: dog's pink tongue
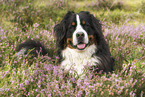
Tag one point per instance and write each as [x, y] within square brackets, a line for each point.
[81, 46]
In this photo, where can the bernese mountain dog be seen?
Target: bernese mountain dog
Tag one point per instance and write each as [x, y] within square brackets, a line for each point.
[80, 43]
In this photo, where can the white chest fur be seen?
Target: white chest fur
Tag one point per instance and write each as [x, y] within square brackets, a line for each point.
[75, 60]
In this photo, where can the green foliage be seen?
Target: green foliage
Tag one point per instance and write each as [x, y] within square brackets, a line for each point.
[26, 16]
[116, 16]
[12, 4]
[142, 8]
[107, 4]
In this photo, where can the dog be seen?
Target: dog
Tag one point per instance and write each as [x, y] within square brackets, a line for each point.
[80, 43]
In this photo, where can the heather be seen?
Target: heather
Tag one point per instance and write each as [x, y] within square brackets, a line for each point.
[123, 28]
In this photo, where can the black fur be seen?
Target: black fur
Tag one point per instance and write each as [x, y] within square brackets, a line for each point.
[33, 45]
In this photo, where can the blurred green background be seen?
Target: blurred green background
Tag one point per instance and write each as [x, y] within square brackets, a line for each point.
[24, 13]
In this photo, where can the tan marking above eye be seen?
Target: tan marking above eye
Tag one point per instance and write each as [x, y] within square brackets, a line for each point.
[73, 23]
[83, 22]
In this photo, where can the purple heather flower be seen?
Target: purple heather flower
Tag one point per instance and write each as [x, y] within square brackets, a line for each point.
[39, 86]
[35, 25]
[22, 86]
[11, 95]
[26, 82]
[38, 95]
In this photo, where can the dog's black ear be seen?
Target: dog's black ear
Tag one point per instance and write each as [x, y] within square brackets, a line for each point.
[59, 32]
[97, 26]
[61, 29]
[106, 61]
[102, 44]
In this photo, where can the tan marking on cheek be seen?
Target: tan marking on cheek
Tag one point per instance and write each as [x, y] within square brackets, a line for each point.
[73, 23]
[92, 39]
[68, 42]
[83, 22]
[69, 39]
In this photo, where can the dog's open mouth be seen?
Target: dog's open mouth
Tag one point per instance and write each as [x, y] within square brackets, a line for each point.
[81, 46]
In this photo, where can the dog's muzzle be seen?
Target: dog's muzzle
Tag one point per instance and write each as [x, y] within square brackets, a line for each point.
[80, 39]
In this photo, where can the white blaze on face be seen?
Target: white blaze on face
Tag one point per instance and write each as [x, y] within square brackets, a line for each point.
[79, 29]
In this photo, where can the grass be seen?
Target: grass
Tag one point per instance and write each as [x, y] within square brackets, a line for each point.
[123, 29]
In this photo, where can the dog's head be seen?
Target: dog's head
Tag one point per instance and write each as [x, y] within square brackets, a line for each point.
[78, 31]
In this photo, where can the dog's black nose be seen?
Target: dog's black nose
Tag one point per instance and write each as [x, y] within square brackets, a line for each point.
[80, 34]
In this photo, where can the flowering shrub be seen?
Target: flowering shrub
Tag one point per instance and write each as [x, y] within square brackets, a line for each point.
[142, 8]
[24, 13]
[18, 78]
[46, 79]
[126, 42]
[23, 76]
[106, 4]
